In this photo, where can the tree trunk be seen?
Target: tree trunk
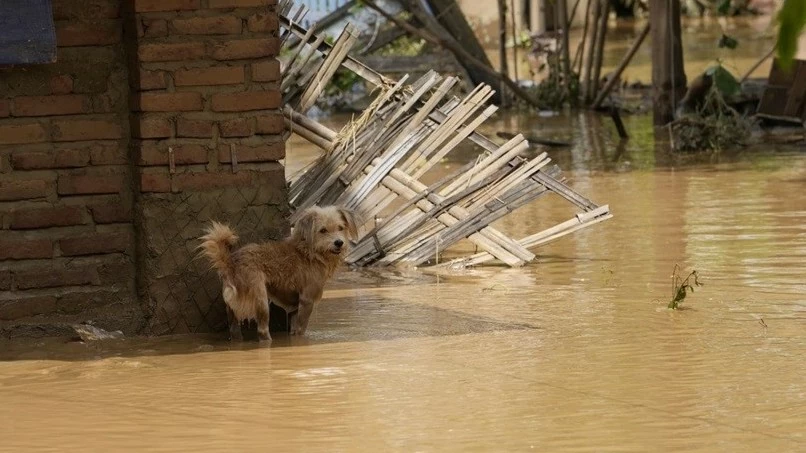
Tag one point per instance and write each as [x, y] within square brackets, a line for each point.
[515, 41]
[451, 18]
[604, 14]
[588, 54]
[502, 48]
[668, 73]
[563, 23]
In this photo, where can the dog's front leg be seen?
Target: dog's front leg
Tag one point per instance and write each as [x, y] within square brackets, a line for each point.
[300, 323]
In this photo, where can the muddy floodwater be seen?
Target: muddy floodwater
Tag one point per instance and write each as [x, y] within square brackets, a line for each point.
[574, 352]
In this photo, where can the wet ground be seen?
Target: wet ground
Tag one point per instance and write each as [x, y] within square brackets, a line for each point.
[575, 352]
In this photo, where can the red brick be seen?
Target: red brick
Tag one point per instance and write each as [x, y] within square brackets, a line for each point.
[270, 124]
[86, 184]
[108, 155]
[194, 128]
[246, 49]
[111, 213]
[210, 181]
[240, 3]
[18, 134]
[54, 216]
[50, 277]
[61, 84]
[266, 71]
[220, 25]
[79, 130]
[86, 9]
[63, 158]
[22, 190]
[74, 33]
[25, 249]
[261, 153]
[238, 127]
[5, 108]
[105, 103]
[68, 104]
[155, 183]
[94, 244]
[183, 155]
[169, 102]
[263, 23]
[219, 75]
[146, 6]
[245, 101]
[154, 28]
[147, 127]
[171, 52]
[151, 80]
[5, 280]
[26, 307]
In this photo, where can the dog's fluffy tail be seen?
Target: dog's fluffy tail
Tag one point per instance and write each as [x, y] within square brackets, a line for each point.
[216, 245]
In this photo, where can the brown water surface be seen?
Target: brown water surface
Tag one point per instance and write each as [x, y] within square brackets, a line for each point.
[574, 352]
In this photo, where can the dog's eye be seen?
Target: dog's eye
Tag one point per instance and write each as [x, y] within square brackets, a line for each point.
[323, 231]
[341, 228]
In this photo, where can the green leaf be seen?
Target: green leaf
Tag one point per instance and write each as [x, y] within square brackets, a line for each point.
[728, 42]
[723, 80]
[723, 8]
[792, 20]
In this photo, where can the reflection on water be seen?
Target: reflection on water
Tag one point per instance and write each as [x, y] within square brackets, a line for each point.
[575, 352]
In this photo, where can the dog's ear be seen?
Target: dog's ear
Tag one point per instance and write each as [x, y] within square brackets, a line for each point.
[351, 220]
[305, 227]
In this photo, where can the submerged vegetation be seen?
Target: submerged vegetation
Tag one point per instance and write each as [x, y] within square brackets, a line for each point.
[711, 124]
[555, 90]
[681, 286]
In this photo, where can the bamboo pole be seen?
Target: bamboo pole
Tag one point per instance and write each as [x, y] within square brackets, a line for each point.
[329, 66]
[549, 235]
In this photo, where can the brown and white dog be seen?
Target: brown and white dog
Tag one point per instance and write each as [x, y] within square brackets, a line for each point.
[291, 273]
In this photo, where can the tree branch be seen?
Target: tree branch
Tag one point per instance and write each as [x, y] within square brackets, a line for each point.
[457, 50]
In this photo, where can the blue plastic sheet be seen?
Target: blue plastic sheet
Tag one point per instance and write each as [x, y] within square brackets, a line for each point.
[27, 35]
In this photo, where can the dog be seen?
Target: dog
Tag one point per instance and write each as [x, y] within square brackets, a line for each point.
[291, 273]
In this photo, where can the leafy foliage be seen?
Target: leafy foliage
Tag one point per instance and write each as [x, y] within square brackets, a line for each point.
[728, 42]
[792, 21]
[724, 81]
[681, 286]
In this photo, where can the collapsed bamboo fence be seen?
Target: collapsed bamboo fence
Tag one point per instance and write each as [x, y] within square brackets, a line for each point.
[375, 162]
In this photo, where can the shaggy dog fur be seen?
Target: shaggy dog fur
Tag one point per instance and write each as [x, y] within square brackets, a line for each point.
[291, 273]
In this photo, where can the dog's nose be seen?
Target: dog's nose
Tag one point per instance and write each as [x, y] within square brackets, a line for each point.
[339, 242]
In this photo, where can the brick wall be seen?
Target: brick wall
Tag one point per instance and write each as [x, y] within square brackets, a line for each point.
[207, 93]
[66, 244]
[113, 158]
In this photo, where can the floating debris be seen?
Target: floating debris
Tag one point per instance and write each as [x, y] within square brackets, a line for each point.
[375, 162]
[88, 333]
